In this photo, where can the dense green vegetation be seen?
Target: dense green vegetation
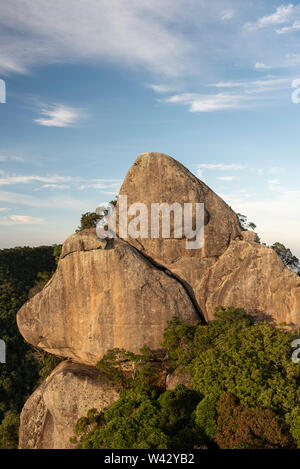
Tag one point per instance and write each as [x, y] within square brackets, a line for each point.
[244, 391]
[23, 272]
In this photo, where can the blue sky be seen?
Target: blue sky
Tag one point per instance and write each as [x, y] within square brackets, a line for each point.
[93, 83]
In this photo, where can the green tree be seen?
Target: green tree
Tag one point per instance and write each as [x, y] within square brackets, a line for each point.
[249, 360]
[88, 220]
[249, 428]
[20, 270]
[9, 431]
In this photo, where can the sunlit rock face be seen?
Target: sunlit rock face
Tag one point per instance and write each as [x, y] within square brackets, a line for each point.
[158, 178]
[100, 299]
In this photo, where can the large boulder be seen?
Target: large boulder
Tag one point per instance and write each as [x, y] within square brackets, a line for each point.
[232, 268]
[120, 293]
[158, 178]
[48, 417]
[251, 276]
[103, 296]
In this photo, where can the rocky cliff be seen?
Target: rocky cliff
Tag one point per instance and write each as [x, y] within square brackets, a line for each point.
[120, 293]
[49, 415]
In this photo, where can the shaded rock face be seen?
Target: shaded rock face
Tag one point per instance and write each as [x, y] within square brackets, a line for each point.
[179, 376]
[49, 415]
[102, 298]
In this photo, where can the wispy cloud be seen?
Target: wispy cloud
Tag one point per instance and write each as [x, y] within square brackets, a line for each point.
[102, 184]
[21, 220]
[261, 66]
[227, 15]
[21, 199]
[206, 102]
[161, 88]
[57, 182]
[172, 42]
[287, 29]
[29, 179]
[270, 83]
[282, 15]
[55, 186]
[128, 32]
[239, 94]
[59, 115]
[7, 158]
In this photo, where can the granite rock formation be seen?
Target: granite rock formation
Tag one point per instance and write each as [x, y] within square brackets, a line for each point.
[49, 415]
[121, 293]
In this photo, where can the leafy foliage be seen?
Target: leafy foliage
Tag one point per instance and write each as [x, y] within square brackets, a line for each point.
[249, 360]
[249, 428]
[88, 220]
[245, 391]
[245, 225]
[144, 416]
[57, 252]
[9, 429]
[21, 269]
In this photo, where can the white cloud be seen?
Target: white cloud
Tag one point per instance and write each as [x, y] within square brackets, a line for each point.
[282, 15]
[6, 158]
[161, 88]
[256, 86]
[128, 31]
[227, 15]
[57, 182]
[239, 94]
[29, 179]
[206, 102]
[172, 40]
[261, 66]
[104, 184]
[287, 29]
[59, 115]
[55, 186]
[20, 199]
[21, 220]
